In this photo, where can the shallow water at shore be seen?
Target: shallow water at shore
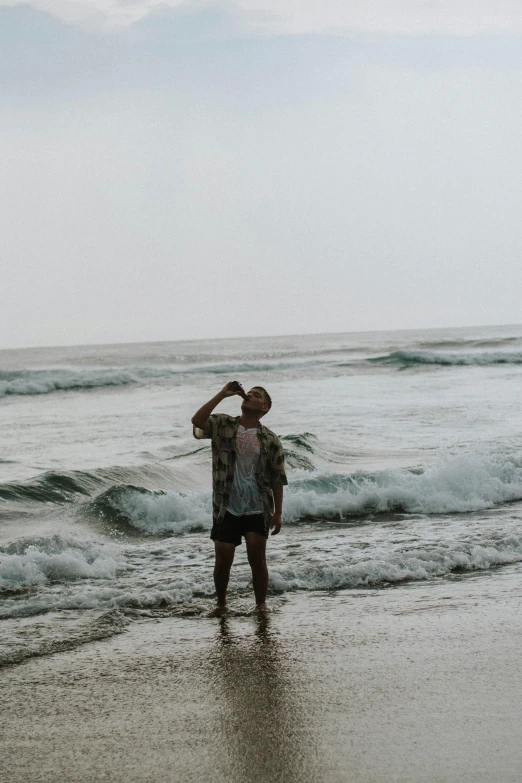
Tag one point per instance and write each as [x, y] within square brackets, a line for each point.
[415, 682]
[403, 455]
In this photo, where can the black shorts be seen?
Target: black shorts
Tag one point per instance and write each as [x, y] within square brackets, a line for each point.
[231, 528]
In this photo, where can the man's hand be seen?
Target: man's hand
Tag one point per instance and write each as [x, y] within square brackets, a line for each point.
[200, 418]
[228, 391]
[275, 523]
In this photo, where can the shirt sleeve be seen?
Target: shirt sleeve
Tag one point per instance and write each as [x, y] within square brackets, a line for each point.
[208, 432]
[278, 466]
[214, 426]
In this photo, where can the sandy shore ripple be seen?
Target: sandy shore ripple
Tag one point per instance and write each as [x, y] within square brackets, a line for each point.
[417, 683]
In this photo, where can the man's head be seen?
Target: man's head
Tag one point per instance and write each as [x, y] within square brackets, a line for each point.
[257, 402]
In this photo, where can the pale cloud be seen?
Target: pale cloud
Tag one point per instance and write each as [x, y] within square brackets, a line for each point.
[95, 14]
[296, 17]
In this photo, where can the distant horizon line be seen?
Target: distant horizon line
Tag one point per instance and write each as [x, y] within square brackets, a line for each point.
[258, 337]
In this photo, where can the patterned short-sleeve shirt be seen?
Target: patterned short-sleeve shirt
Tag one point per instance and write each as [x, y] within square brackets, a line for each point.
[222, 429]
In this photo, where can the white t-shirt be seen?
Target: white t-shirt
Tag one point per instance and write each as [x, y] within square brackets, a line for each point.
[244, 496]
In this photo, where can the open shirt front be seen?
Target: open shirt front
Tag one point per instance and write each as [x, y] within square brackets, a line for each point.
[221, 429]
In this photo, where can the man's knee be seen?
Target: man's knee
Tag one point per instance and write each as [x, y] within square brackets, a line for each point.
[224, 554]
[256, 549]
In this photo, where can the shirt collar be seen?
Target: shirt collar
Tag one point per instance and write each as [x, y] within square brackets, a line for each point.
[261, 428]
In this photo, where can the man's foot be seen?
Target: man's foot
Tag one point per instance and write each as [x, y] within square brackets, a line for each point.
[219, 611]
[261, 609]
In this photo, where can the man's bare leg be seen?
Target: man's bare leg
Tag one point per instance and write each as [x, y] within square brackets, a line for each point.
[224, 559]
[256, 551]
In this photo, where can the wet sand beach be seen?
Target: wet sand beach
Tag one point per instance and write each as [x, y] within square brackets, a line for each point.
[413, 683]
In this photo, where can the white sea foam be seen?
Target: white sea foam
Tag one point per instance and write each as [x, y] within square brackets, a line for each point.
[457, 484]
[378, 567]
[181, 590]
[176, 574]
[167, 512]
[329, 562]
[55, 561]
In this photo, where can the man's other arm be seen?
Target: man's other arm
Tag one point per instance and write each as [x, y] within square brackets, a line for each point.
[277, 517]
[278, 482]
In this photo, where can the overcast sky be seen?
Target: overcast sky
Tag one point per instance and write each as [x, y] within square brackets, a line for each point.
[176, 170]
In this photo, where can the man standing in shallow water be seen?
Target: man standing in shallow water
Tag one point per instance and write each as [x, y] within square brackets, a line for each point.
[248, 475]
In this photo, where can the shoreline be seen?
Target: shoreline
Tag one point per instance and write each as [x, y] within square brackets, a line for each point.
[418, 682]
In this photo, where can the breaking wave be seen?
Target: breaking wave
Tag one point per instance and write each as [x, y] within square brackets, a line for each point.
[30, 382]
[51, 487]
[154, 513]
[126, 501]
[405, 359]
[294, 447]
[487, 342]
[455, 485]
[69, 486]
[45, 381]
[460, 484]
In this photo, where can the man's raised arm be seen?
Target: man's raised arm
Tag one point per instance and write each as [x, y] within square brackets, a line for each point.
[200, 418]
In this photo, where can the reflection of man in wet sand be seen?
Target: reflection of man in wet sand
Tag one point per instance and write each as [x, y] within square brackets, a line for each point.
[263, 733]
[248, 475]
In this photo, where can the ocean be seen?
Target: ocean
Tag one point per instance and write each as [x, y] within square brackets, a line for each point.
[403, 451]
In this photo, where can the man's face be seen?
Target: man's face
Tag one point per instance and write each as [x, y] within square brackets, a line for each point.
[255, 402]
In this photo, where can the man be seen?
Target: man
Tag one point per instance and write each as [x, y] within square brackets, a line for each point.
[248, 475]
